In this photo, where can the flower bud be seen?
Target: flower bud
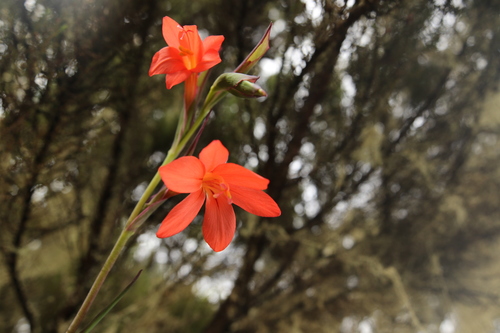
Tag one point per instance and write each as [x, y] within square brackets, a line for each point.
[240, 85]
[257, 53]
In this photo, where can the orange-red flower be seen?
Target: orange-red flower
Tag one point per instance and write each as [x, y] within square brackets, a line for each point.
[210, 179]
[185, 54]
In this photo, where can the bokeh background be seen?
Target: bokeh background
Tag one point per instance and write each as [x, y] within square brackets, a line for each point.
[380, 137]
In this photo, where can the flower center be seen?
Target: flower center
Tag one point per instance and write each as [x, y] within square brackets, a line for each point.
[186, 52]
[214, 185]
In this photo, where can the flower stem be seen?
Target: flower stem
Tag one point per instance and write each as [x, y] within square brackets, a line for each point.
[212, 99]
[120, 243]
[180, 141]
[190, 91]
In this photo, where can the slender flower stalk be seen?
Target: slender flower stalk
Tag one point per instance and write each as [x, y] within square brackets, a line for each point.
[190, 91]
[122, 241]
[101, 277]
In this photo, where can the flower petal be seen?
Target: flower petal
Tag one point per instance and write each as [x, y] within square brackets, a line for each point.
[254, 201]
[191, 47]
[212, 44]
[170, 30]
[235, 174]
[213, 155]
[211, 56]
[184, 175]
[219, 224]
[181, 215]
[191, 40]
[166, 61]
[175, 78]
[204, 65]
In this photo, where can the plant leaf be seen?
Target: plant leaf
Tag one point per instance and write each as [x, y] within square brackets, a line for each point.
[257, 53]
[155, 203]
[104, 312]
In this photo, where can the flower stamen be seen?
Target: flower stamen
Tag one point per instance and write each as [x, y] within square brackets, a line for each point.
[214, 185]
[185, 51]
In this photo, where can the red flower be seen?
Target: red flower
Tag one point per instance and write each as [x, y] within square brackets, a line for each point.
[210, 179]
[185, 54]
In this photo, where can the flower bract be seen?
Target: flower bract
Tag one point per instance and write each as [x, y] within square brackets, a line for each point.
[185, 54]
[211, 181]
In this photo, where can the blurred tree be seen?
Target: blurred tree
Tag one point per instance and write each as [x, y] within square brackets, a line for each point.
[379, 136]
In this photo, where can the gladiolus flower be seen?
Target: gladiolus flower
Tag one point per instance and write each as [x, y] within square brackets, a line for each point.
[186, 53]
[209, 179]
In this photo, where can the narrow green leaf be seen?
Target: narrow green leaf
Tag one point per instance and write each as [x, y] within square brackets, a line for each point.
[144, 215]
[151, 207]
[104, 312]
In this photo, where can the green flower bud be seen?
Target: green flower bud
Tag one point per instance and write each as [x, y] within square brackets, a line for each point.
[240, 85]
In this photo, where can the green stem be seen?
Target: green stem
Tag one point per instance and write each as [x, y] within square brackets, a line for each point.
[180, 141]
[120, 243]
[124, 236]
[144, 198]
[212, 99]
